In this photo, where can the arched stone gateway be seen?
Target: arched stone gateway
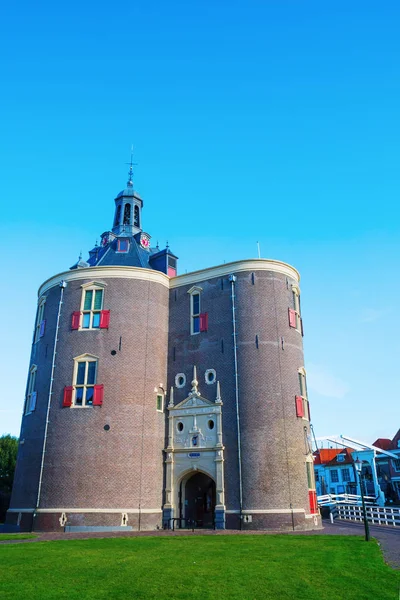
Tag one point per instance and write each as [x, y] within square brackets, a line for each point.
[195, 461]
[197, 500]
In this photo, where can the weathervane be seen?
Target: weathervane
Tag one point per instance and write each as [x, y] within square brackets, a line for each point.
[131, 165]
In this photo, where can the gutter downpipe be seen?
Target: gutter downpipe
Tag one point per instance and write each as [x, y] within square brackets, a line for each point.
[63, 285]
[232, 279]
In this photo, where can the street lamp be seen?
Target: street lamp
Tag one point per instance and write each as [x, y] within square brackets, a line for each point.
[358, 466]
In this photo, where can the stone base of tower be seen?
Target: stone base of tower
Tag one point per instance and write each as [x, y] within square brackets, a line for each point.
[273, 521]
[58, 520]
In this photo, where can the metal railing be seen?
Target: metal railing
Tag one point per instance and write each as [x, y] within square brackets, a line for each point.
[329, 499]
[376, 515]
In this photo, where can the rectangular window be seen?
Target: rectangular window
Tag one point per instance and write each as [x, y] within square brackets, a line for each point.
[303, 394]
[294, 313]
[92, 305]
[40, 322]
[30, 401]
[334, 476]
[195, 310]
[346, 474]
[84, 384]
[310, 475]
[159, 402]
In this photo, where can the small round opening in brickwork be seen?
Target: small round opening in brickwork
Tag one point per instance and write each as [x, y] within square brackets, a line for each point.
[210, 424]
[180, 426]
[113, 352]
[106, 427]
[210, 376]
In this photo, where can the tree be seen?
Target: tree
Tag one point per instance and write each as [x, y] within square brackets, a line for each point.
[8, 459]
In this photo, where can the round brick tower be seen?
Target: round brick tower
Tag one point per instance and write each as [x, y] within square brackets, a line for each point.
[93, 429]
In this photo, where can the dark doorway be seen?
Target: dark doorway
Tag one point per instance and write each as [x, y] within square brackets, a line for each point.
[199, 504]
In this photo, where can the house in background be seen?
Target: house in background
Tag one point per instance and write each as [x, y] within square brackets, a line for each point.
[334, 471]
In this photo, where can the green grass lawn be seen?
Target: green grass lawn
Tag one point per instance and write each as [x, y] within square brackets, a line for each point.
[204, 567]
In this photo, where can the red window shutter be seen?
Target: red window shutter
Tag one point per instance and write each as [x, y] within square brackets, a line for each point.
[67, 401]
[98, 395]
[76, 318]
[312, 498]
[104, 319]
[299, 406]
[292, 317]
[171, 272]
[203, 321]
[42, 328]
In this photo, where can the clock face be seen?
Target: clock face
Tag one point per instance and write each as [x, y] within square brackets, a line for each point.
[104, 241]
[144, 241]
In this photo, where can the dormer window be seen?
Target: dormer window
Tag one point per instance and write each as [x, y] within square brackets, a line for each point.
[340, 457]
[123, 245]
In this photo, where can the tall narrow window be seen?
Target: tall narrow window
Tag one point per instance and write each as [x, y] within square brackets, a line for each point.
[136, 219]
[127, 214]
[312, 493]
[303, 397]
[30, 401]
[160, 402]
[295, 319]
[85, 373]
[117, 216]
[195, 324]
[40, 322]
[92, 306]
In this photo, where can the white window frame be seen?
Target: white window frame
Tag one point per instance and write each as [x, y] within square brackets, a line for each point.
[214, 376]
[31, 393]
[86, 358]
[92, 286]
[303, 392]
[159, 395]
[310, 472]
[194, 291]
[296, 306]
[331, 473]
[348, 474]
[39, 319]
[178, 376]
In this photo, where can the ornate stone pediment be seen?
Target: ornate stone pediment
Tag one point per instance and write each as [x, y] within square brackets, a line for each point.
[193, 401]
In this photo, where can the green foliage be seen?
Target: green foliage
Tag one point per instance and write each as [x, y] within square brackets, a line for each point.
[8, 459]
[226, 567]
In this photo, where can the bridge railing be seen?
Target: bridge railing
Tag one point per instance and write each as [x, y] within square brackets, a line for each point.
[329, 499]
[376, 515]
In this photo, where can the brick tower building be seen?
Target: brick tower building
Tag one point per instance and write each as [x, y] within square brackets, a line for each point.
[156, 398]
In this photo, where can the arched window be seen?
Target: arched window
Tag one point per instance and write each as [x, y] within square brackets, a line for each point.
[117, 216]
[127, 214]
[136, 221]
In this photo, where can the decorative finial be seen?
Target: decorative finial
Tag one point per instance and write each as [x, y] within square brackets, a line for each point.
[96, 244]
[218, 397]
[167, 246]
[80, 255]
[130, 172]
[171, 398]
[195, 383]
[157, 246]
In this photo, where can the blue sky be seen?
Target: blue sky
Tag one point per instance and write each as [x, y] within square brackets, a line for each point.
[257, 120]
